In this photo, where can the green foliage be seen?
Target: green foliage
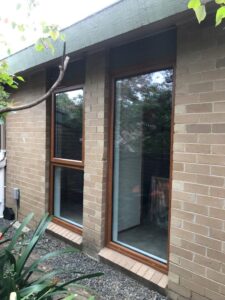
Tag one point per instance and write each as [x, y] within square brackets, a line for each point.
[200, 10]
[49, 33]
[220, 15]
[6, 81]
[17, 276]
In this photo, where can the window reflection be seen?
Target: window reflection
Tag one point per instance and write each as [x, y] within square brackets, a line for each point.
[142, 162]
[68, 124]
[68, 194]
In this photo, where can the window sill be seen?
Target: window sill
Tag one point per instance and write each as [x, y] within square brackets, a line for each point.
[148, 275]
[65, 234]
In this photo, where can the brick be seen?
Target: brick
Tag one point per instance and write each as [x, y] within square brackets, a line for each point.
[177, 147]
[187, 138]
[220, 63]
[212, 118]
[195, 208]
[190, 197]
[217, 213]
[213, 295]
[194, 287]
[219, 85]
[181, 271]
[187, 118]
[174, 258]
[195, 228]
[207, 262]
[197, 168]
[143, 269]
[217, 234]
[201, 87]
[183, 176]
[193, 267]
[178, 166]
[211, 159]
[196, 188]
[174, 277]
[157, 276]
[218, 171]
[199, 108]
[210, 201]
[208, 221]
[192, 246]
[148, 275]
[179, 289]
[184, 234]
[181, 252]
[211, 96]
[208, 242]
[219, 107]
[183, 215]
[218, 128]
[163, 282]
[198, 128]
[205, 282]
[184, 157]
[196, 296]
[217, 192]
[210, 180]
[197, 148]
[216, 276]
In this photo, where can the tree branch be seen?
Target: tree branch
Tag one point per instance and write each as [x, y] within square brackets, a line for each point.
[62, 69]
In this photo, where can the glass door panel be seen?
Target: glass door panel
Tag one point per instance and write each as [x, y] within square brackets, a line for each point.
[142, 132]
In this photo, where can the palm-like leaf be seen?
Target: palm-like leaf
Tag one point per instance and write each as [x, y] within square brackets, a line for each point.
[15, 275]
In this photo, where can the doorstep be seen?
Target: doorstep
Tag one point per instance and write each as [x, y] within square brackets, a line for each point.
[64, 234]
[148, 275]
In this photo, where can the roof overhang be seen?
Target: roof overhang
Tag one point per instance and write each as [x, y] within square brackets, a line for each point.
[118, 20]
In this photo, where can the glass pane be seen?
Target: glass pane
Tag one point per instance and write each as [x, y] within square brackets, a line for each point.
[68, 194]
[142, 163]
[68, 124]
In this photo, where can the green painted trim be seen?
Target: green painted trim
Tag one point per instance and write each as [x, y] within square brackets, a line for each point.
[122, 17]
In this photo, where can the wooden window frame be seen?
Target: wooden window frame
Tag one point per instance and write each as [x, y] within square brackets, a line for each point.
[129, 72]
[62, 162]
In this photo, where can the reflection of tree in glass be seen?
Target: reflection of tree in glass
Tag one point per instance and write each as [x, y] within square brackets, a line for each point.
[70, 108]
[145, 103]
[68, 124]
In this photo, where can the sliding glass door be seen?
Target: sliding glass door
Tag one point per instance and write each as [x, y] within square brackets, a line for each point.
[141, 164]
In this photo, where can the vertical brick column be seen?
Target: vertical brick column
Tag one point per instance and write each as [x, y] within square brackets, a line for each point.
[197, 241]
[26, 150]
[95, 154]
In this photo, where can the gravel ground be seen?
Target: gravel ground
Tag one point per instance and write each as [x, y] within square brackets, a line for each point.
[113, 285]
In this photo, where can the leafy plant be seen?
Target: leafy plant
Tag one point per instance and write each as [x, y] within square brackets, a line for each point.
[200, 10]
[22, 281]
[47, 35]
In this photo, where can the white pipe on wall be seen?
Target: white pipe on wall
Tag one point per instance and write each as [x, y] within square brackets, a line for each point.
[2, 169]
[2, 180]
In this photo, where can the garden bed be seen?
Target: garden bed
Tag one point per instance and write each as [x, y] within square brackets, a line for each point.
[113, 285]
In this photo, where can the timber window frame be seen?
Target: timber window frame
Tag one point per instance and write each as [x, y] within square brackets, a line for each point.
[58, 162]
[130, 72]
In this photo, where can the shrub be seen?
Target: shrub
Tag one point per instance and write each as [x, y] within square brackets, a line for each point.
[16, 281]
